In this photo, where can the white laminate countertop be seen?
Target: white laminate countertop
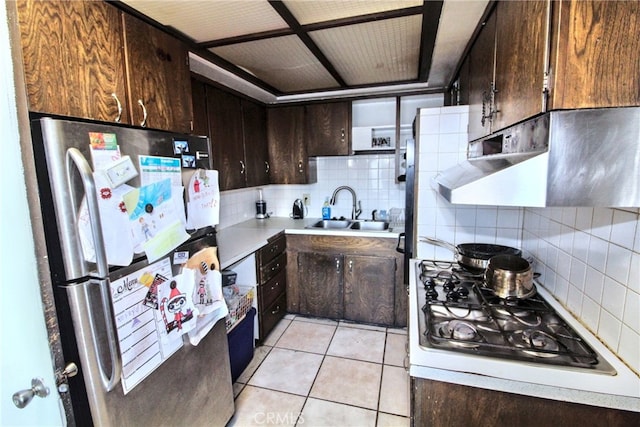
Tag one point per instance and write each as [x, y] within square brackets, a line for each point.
[240, 240]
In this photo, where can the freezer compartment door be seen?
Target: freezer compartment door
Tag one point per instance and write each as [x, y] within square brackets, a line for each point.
[192, 387]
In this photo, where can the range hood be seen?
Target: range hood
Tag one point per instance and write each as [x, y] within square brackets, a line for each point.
[588, 157]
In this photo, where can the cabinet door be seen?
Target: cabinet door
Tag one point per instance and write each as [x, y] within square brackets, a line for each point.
[328, 127]
[521, 37]
[254, 131]
[158, 77]
[287, 151]
[481, 67]
[598, 51]
[225, 126]
[73, 60]
[369, 287]
[320, 284]
[199, 103]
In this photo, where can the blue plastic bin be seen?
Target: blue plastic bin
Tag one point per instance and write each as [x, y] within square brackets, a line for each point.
[241, 344]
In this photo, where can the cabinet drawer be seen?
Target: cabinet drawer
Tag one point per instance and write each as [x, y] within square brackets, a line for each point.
[274, 267]
[270, 316]
[271, 250]
[269, 291]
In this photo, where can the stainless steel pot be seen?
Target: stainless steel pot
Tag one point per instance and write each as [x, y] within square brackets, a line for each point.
[473, 256]
[510, 277]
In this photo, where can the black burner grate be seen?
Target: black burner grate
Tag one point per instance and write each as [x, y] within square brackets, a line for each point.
[462, 315]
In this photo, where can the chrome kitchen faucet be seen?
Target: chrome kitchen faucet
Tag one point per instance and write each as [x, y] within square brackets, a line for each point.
[355, 211]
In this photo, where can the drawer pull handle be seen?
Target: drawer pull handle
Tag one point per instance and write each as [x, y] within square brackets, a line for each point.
[119, 116]
[274, 249]
[143, 123]
[275, 286]
[276, 311]
[275, 267]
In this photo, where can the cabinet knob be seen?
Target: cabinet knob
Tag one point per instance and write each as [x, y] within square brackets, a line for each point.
[143, 123]
[342, 135]
[337, 265]
[300, 167]
[119, 116]
[350, 266]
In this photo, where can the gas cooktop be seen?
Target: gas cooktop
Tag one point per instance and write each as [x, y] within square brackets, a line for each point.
[461, 315]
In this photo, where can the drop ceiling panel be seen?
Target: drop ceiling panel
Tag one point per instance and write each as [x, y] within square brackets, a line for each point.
[453, 37]
[282, 62]
[210, 20]
[374, 52]
[308, 12]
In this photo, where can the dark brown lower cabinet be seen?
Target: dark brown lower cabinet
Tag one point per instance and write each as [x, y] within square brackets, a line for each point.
[368, 297]
[271, 261]
[440, 404]
[335, 277]
[320, 284]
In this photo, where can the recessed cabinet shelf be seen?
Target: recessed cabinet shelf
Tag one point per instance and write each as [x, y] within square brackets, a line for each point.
[366, 138]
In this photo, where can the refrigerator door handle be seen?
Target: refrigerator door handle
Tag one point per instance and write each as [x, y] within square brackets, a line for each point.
[86, 174]
[401, 237]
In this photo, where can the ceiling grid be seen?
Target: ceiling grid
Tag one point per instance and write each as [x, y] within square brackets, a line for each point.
[297, 47]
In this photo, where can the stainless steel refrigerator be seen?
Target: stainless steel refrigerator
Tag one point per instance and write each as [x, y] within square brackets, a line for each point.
[192, 385]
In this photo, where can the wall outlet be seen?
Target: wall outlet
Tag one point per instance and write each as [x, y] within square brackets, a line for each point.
[306, 199]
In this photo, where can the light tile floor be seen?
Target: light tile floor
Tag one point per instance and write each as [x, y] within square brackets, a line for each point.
[318, 372]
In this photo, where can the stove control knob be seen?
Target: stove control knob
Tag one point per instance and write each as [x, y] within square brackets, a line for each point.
[448, 285]
[432, 294]
[453, 296]
[463, 292]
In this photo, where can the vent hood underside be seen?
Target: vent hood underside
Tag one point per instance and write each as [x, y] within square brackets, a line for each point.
[592, 159]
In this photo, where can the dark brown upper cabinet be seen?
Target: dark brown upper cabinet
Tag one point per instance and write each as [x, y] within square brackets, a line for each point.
[535, 56]
[328, 129]
[73, 59]
[481, 76]
[224, 113]
[290, 163]
[158, 77]
[256, 153]
[596, 54]
[237, 129]
[88, 59]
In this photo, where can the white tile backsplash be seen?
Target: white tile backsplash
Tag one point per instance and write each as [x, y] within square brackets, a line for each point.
[371, 176]
[589, 258]
[597, 271]
[442, 144]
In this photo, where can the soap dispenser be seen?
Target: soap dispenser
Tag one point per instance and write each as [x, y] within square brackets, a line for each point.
[326, 209]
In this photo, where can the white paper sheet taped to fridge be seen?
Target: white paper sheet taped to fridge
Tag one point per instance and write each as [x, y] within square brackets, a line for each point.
[116, 229]
[140, 327]
[203, 199]
[155, 218]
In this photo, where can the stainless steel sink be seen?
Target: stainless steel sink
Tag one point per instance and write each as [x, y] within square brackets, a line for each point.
[332, 224]
[370, 225]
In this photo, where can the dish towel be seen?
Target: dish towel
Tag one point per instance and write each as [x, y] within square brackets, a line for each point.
[207, 294]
